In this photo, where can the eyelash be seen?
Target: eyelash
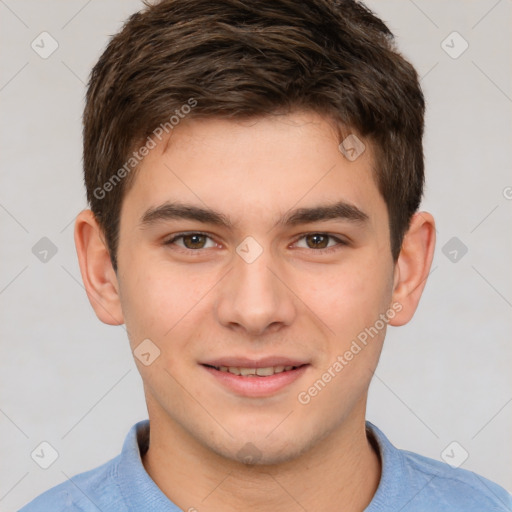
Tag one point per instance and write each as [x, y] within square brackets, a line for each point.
[321, 251]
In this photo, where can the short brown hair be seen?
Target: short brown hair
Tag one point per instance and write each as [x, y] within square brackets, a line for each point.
[245, 58]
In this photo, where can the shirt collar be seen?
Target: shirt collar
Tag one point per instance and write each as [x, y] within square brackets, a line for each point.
[391, 488]
[137, 488]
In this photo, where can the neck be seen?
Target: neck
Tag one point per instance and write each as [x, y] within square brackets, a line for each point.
[341, 472]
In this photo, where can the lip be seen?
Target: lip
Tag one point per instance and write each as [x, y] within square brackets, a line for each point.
[257, 387]
[245, 362]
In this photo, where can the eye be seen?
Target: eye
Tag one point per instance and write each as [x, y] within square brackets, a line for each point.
[319, 242]
[191, 241]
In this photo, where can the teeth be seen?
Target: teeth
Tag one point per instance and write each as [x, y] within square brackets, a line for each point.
[252, 372]
[265, 372]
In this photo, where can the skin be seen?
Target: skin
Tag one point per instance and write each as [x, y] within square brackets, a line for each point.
[291, 301]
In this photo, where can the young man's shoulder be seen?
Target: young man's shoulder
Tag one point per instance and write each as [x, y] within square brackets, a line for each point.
[458, 488]
[415, 483]
[83, 493]
[119, 485]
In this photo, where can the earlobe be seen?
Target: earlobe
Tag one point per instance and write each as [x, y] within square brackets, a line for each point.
[413, 266]
[98, 275]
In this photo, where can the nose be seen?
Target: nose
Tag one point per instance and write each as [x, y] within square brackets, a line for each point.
[256, 296]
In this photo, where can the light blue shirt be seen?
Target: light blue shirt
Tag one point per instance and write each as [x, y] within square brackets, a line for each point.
[409, 483]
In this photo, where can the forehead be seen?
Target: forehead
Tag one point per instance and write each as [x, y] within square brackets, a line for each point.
[254, 170]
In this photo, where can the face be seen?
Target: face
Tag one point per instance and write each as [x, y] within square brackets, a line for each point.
[263, 286]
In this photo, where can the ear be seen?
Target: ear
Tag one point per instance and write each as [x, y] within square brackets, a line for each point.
[413, 266]
[98, 275]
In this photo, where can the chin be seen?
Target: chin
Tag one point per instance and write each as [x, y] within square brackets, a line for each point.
[262, 449]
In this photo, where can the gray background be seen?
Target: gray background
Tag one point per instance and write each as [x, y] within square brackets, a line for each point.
[71, 381]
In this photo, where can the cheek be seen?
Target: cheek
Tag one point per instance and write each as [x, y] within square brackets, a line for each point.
[157, 298]
[352, 306]
[353, 297]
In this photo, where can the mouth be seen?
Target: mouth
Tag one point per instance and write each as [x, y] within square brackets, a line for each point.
[256, 379]
[266, 371]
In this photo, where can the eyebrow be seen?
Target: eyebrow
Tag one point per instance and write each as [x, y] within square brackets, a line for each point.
[176, 210]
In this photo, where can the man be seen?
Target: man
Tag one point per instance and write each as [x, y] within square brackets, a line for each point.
[254, 171]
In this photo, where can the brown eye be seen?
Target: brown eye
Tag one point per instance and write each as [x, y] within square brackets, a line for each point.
[193, 241]
[317, 241]
[190, 241]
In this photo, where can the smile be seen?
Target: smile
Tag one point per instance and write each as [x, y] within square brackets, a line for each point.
[254, 372]
[251, 382]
